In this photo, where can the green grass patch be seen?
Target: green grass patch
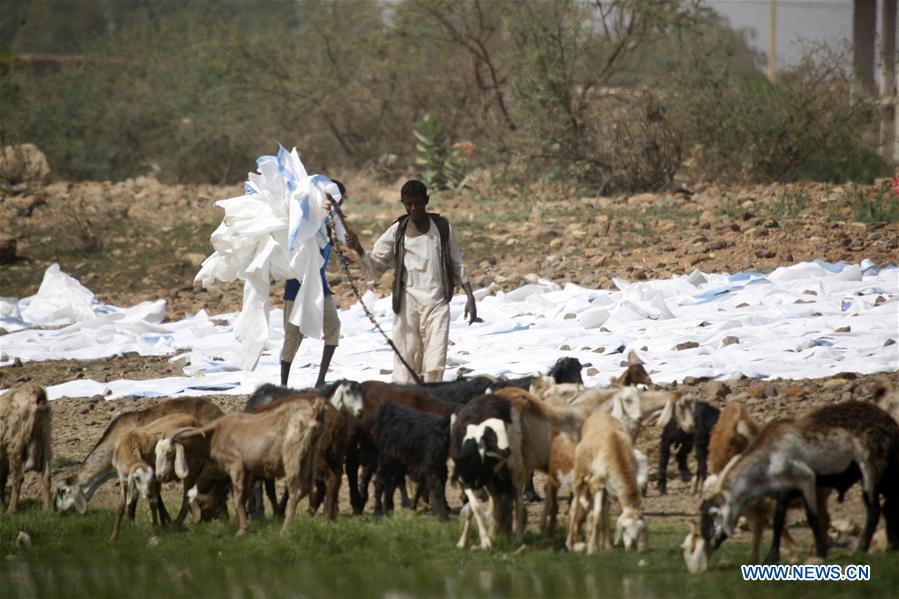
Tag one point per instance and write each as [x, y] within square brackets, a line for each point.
[877, 205]
[405, 555]
[789, 204]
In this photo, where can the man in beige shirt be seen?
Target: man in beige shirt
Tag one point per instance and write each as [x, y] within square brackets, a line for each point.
[421, 248]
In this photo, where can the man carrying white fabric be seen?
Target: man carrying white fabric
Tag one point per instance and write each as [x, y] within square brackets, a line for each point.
[422, 250]
[331, 325]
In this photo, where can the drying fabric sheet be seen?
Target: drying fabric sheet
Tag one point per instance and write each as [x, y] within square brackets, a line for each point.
[273, 231]
[807, 320]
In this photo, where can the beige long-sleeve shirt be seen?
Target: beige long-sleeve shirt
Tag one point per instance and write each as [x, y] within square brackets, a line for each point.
[422, 263]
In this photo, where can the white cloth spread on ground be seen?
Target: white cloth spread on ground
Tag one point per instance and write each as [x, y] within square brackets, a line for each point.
[790, 323]
[422, 330]
[274, 231]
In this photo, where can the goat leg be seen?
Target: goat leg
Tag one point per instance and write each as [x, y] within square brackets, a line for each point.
[664, 456]
[294, 492]
[891, 514]
[351, 465]
[780, 514]
[164, 517]
[4, 474]
[239, 488]
[17, 476]
[46, 483]
[683, 453]
[486, 542]
[521, 515]
[550, 509]
[317, 497]
[436, 493]
[820, 534]
[119, 512]
[574, 526]
[530, 493]
[332, 494]
[872, 503]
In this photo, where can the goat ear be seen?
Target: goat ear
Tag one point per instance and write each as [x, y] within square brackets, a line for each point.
[684, 415]
[617, 407]
[744, 431]
[667, 413]
[79, 500]
[181, 466]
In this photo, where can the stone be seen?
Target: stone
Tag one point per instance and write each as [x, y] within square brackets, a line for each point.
[729, 340]
[564, 348]
[757, 390]
[195, 259]
[844, 329]
[23, 539]
[794, 391]
[889, 342]
[686, 345]
[592, 371]
[718, 390]
[7, 249]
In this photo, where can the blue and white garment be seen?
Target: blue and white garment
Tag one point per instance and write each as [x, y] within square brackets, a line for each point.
[276, 230]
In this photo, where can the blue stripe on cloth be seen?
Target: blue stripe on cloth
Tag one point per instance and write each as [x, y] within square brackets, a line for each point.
[292, 286]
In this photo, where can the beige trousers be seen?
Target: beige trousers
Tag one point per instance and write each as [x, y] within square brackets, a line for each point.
[421, 333]
[292, 335]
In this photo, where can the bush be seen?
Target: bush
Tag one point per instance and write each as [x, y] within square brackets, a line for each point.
[805, 126]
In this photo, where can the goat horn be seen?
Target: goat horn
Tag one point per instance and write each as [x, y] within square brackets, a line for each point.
[185, 429]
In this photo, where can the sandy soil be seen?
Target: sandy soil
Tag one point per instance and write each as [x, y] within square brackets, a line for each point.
[140, 240]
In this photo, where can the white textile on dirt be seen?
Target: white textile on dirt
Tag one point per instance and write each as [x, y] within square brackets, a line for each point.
[274, 231]
[808, 320]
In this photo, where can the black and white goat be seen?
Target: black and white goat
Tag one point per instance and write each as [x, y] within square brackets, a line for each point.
[687, 425]
[480, 446]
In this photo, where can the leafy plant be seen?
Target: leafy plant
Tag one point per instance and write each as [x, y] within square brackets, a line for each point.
[441, 164]
[789, 204]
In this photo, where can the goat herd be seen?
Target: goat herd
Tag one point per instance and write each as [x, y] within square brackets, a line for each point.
[496, 433]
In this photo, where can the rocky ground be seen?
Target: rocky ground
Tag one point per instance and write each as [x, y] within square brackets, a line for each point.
[139, 240]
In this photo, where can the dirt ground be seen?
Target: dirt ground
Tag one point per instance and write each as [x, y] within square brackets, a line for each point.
[139, 240]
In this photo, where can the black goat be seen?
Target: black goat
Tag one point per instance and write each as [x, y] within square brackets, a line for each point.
[704, 419]
[565, 370]
[414, 443]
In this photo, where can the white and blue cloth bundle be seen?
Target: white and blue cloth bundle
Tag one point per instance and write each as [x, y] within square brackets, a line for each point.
[274, 231]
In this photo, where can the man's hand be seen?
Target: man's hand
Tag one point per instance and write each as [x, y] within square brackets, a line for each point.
[471, 309]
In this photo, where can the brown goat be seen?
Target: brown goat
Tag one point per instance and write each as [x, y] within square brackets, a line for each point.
[76, 490]
[331, 453]
[133, 458]
[25, 428]
[281, 440]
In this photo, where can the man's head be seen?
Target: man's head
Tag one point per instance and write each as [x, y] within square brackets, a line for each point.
[414, 196]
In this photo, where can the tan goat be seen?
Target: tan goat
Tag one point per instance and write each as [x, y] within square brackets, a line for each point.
[604, 464]
[25, 446]
[77, 489]
[561, 474]
[280, 441]
[132, 460]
